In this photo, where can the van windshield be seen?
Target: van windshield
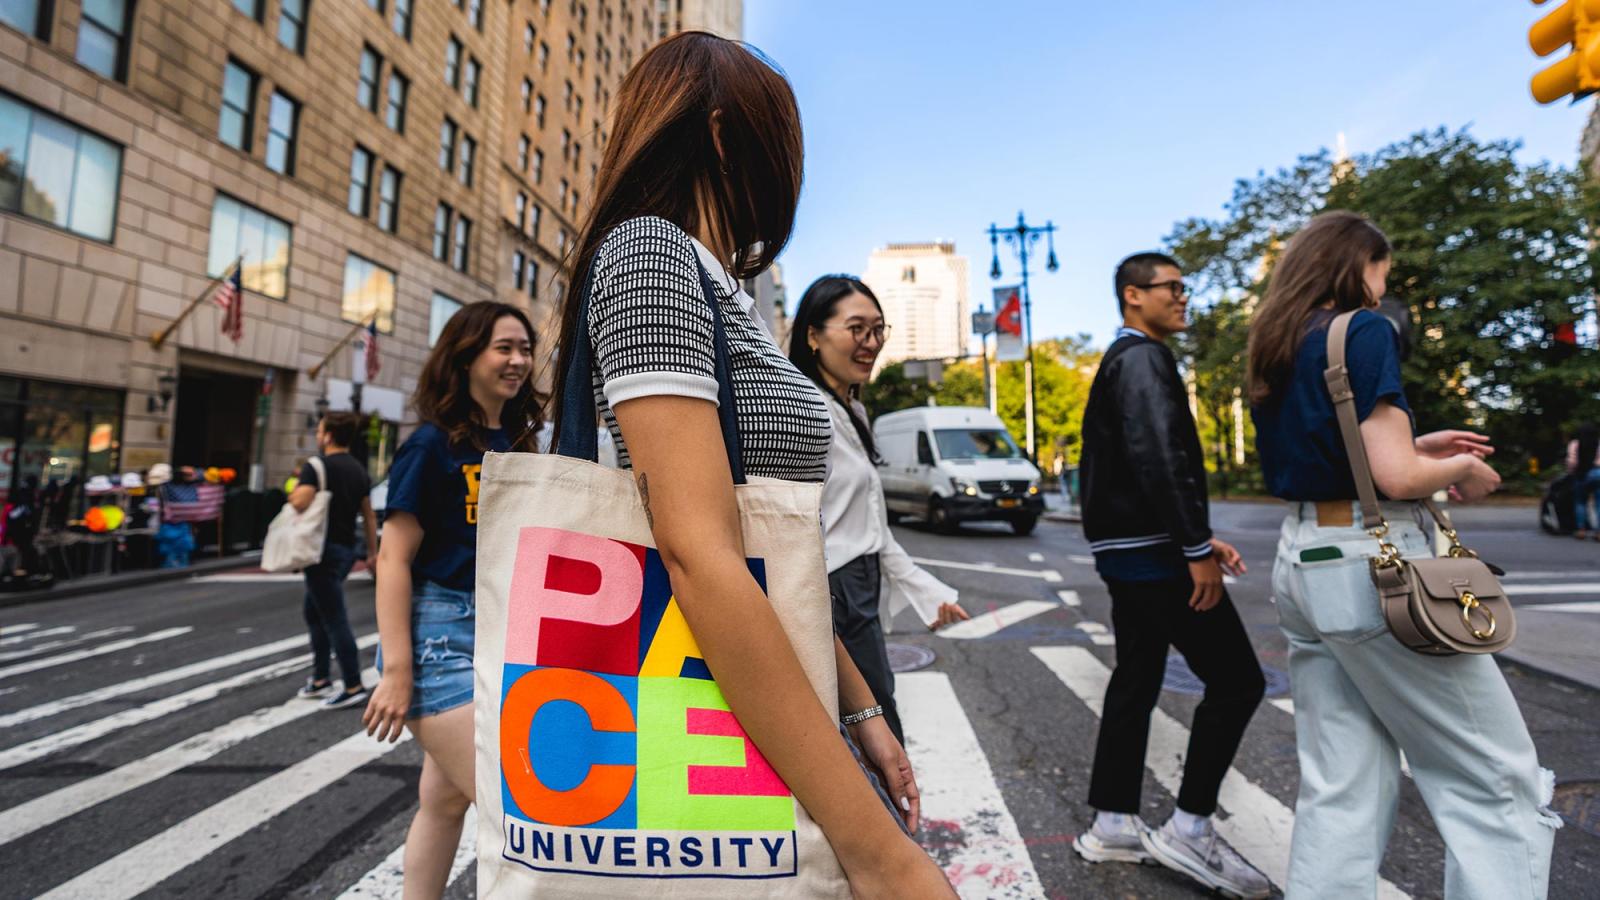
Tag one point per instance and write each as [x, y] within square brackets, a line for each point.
[975, 443]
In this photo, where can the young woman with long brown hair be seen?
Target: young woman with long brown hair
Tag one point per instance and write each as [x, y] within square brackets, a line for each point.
[703, 169]
[1361, 698]
[474, 395]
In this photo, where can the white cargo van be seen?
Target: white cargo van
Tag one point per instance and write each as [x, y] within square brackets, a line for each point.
[953, 464]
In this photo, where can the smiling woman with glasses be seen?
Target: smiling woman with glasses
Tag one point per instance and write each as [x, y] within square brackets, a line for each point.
[860, 331]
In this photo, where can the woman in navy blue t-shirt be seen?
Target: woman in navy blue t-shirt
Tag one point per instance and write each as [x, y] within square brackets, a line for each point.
[473, 396]
[1361, 698]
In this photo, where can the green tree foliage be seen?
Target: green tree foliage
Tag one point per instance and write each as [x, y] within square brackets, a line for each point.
[1491, 256]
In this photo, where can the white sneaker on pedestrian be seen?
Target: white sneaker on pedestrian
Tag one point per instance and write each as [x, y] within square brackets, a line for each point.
[1208, 859]
[1101, 844]
[345, 699]
[314, 691]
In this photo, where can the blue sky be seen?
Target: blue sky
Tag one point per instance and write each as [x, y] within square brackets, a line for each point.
[929, 120]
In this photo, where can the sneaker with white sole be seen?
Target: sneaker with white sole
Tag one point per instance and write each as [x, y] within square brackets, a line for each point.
[314, 691]
[343, 699]
[1099, 844]
[1208, 859]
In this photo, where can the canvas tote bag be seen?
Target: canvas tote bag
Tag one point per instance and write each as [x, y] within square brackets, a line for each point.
[294, 539]
[608, 764]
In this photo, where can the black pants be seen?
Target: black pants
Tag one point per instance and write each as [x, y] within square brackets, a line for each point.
[1148, 617]
[326, 618]
[855, 620]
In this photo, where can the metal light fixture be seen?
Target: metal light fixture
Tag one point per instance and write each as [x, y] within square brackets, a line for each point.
[1050, 263]
[322, 411]
[165, 386]
[994, 245]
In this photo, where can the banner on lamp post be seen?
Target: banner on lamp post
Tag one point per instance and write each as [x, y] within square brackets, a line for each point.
[1008, 346]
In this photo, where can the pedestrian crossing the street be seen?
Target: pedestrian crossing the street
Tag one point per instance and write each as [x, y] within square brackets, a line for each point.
[105, 752]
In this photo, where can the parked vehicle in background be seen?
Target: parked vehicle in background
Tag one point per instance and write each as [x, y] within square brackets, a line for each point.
[954, 464]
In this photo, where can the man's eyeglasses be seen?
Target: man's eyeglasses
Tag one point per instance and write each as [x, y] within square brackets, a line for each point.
[1179, 289]
[860, 333]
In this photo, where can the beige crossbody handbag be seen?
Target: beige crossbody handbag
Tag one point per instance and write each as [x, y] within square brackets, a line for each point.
[1439, 606]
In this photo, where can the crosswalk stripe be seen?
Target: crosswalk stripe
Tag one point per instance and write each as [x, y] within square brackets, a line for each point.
[140, 868]
[1529, 590]
[990, 568]
[80, 655]
[1587, 606]
[88, 731]
[267, 577]
[19, 627]
[47, 646]
[984, 624]
[87, 698]
[386, 879]
[50, 808]
[1258, 825]
[34, 633]
[985, 856]
[1035, 557]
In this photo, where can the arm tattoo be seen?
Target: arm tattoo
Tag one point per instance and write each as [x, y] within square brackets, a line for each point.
[644, 496]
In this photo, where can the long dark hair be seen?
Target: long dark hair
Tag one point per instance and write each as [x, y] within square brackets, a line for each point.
[662, 160]
[816, 308]
[443, 398]
[1326, 260]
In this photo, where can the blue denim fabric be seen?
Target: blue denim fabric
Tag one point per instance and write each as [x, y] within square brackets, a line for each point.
[443, 630]
[325, 615]
[1583, 493]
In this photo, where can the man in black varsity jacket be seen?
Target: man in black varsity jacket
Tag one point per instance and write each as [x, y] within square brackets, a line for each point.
[1145, 515]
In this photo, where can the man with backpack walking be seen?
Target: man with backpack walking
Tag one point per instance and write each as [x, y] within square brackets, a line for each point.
[346, 480]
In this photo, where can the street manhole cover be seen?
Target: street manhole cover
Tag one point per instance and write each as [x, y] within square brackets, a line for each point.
[1180, 679]
[909, 657]
[1579, 803]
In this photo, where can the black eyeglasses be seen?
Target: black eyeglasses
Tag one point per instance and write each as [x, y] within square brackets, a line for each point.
[859, 332]
[1178, 288]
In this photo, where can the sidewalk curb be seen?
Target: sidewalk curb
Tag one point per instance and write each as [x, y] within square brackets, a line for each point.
[1062, 517]
[86, 586]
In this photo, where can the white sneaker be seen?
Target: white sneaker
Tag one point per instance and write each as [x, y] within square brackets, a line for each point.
[1208, 859]
[1098, 845]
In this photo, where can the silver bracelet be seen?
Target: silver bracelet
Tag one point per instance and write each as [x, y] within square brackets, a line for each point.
[859, 717]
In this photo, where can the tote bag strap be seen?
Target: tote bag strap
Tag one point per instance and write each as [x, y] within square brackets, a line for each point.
[577, 438]
[322, 473]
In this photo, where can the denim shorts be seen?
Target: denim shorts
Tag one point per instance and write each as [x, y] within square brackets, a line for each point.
[443, 621]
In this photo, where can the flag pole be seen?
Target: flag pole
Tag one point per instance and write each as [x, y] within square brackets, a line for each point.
[160, 337]
[316, 370]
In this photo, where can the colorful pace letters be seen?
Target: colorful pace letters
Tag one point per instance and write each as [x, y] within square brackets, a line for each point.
[619, 756]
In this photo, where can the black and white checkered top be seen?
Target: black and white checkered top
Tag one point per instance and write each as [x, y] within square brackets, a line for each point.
[651, 330]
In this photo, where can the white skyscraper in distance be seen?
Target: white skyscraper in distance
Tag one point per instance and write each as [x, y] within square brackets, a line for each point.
[923, 289]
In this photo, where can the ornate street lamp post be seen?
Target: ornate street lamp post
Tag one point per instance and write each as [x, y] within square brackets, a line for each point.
[1021, 237]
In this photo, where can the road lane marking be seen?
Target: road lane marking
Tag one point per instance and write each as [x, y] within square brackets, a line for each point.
[1532, 590]
[386, 880]
[984, 624]
[267, 577]
[1081, 560]
[19, 627]
[1069, 598]
[964, 815]
[142, 867]
[1035, 557]
[1587, 606]
[48, 632]
[991, 568]
[88, 731]
[50, 808]
[1258, 825]
[79, 655]
[47, 646]
[56, 707]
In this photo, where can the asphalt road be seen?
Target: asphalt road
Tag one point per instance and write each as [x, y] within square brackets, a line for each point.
[149, 742]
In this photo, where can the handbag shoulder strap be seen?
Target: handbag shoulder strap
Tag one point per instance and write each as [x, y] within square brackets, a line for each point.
[322, 473]
[577, 438]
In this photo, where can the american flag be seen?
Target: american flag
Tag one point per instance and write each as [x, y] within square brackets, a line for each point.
[193, 503]
[373, 364]
[230, 296]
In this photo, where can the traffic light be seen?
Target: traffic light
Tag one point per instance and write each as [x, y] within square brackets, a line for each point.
[1574, 24]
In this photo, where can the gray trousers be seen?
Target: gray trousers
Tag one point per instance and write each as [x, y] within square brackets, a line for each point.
[855, 587]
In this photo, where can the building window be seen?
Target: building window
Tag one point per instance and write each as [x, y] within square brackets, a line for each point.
[475, 13]
[368, 293]
[577, 107]
[522, 153]
[251, 8]
[527, 38]
[561, 241]
[561, 196]
[538, 167]
[533, 222]
[238, 106]
[394, 114]
[283, 115]
[292, 25]
[389, 199]
[444, 306]
[909, 274]
[533, 278]
[522, 210]
[566, 144]
[577, 156]
[102, 37]
[517, 273]
[57, 173]
[538, 110]
[544, 56]
[239, 230]
[447, 144]
[360, 199]
[463, 240]
[377, 6]
[574, 201]
[367, 86]
[441, 231]
[402, 18]
[527, 93]
[464, 162]
[572, 48]
[580, 62]
[470, 89]
[566, 94]
[24, 16]
[544, 7]
[452, 64]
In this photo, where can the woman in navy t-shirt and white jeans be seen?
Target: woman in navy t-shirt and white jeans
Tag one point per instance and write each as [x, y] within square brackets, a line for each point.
[1361, 698]
[473, 396]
